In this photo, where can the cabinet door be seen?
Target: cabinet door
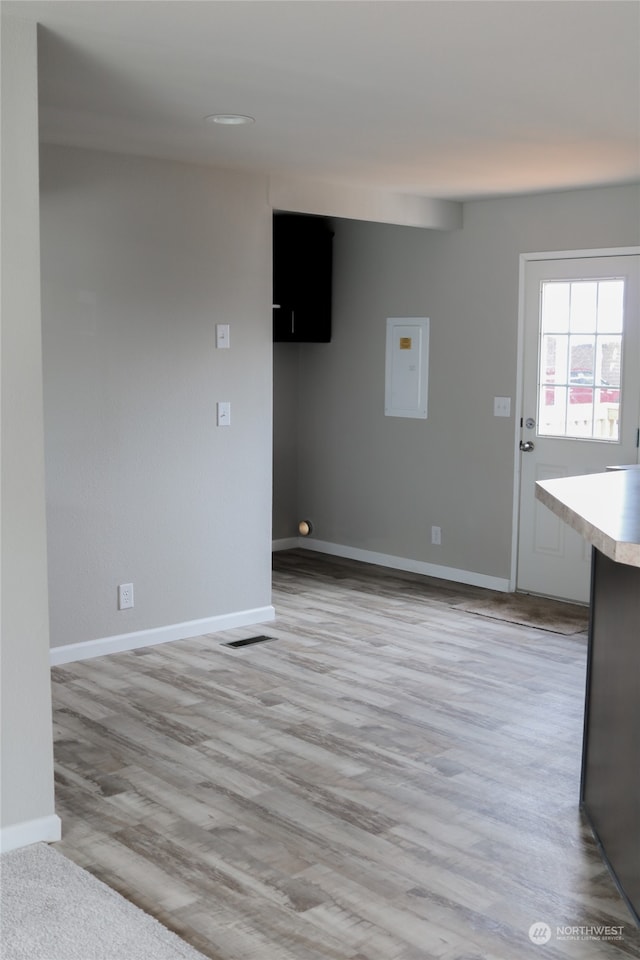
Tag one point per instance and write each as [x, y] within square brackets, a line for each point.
[302, 263]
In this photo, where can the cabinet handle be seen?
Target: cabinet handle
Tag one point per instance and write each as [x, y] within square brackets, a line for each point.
[293, 321]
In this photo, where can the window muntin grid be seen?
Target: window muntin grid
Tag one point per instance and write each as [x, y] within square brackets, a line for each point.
[580, 358]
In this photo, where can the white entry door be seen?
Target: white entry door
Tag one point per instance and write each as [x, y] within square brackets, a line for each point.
[581, 401]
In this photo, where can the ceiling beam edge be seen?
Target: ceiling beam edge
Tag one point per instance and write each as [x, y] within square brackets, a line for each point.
[301, 195]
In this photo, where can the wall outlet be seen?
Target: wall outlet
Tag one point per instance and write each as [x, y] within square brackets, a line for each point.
[125, 596]
[436, 535]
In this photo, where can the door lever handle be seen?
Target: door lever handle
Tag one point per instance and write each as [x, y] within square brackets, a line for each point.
[527, 446]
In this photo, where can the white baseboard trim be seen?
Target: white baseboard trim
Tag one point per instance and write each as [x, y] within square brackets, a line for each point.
[42, 830]
[288, 543]
[146, 638]
[404, 563]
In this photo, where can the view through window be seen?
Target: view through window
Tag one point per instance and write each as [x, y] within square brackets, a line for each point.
[579, 369]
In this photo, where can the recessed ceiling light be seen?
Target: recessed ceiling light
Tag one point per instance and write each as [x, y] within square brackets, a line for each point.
[229, 119]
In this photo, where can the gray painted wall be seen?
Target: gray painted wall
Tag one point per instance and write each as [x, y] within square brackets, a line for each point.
[140, 259]
[27, 748]
[286, 358]
[379, 484]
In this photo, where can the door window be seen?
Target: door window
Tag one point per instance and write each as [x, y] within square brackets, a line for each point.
[580, 359]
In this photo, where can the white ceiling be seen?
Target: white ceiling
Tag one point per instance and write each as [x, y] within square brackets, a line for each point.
[453, 99]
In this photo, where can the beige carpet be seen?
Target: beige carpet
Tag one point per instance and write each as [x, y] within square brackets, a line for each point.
[54, 910]
[552, 615]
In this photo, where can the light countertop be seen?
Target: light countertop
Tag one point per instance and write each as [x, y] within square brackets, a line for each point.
[603, 507]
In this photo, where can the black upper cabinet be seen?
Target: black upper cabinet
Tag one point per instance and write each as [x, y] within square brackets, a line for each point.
[302, 260]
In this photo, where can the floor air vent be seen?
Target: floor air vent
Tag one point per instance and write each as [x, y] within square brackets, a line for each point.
[247, 641]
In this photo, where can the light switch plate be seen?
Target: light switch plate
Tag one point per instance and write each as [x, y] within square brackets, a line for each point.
[223, 408]
[222, 336]
[502, 406]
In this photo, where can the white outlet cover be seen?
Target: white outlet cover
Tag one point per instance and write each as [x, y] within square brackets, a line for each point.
[125, 596]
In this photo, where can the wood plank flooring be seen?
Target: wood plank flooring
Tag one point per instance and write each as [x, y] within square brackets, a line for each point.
[389, 778]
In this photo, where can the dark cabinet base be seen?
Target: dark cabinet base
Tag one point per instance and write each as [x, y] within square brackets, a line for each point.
[610, 788]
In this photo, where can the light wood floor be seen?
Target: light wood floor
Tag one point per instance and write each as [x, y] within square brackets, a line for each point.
[390, 778]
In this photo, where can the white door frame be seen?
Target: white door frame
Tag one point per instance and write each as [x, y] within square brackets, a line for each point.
[525, 258]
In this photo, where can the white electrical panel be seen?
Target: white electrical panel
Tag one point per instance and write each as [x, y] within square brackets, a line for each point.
[407, 367]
